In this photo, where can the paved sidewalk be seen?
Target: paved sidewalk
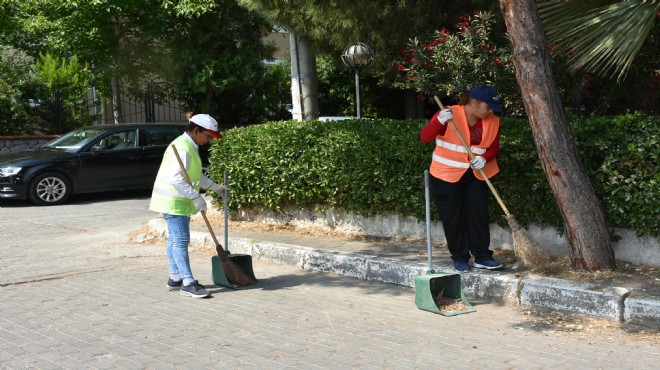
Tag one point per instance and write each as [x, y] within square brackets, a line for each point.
[126, 319]
[76, 293]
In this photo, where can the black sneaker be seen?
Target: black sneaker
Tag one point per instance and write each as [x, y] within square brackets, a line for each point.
[195, 290]
[174, 285]
[461, 266]
[489, 264]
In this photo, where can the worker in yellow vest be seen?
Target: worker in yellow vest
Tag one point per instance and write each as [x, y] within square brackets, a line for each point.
[458, 189]
[177, 200]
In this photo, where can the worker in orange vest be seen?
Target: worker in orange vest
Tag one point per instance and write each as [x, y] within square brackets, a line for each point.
[458, 189]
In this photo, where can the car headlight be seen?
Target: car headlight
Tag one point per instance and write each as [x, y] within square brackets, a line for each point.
[9, 171]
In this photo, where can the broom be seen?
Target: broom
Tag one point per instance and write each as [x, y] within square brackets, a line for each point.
[524, 247]
[234, 274]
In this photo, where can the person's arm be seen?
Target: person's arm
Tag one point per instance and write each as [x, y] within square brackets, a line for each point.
[205, 182]
[432, 129]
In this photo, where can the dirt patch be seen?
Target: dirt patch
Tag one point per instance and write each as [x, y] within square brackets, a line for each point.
[640, 277]
[146, 236]
[553, 321]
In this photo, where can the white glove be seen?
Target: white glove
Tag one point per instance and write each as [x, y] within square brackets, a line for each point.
[478, 162]
[200, 203]
[444, 116]
[220, 189]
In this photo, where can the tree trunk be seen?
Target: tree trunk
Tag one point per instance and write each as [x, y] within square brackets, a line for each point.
[589, 243]
[117, 115]
[304, 82]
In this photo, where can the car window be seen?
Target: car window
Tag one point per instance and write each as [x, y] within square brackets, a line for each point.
[74, 140]
[162, 135]
[118, 140]
[128, 140]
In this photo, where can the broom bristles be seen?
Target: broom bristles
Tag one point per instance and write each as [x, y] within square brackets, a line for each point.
[234, 274]
[526, 248]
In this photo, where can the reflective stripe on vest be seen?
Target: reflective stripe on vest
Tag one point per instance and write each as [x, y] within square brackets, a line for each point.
[450, 159]
[165, 198]
[459, 148]
[449, 162]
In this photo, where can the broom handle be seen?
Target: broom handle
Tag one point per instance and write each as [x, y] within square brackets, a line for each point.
[185, 174]
[483, 174]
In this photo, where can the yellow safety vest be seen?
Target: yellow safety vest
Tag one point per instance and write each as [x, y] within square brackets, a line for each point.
[451, 160]
[165, 198]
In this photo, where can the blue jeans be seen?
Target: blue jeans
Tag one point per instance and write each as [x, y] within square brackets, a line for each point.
[177, 245]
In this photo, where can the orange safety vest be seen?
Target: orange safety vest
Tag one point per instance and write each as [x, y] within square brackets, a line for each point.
[451, 160]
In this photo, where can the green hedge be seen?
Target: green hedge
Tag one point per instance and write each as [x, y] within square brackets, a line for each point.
[376, 166]
[622, 156]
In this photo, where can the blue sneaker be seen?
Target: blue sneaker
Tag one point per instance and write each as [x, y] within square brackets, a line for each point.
[488, 264]
[195, 290]
[174, 285]
[461, 266]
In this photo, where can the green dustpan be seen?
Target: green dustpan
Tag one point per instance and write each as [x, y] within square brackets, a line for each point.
[439, 293]
[442, 294]
[242, 261]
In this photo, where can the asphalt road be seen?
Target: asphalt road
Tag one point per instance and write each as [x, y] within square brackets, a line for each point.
[76, 292]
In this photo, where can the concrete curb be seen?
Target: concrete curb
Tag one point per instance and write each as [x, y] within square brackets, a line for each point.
[612, 303]
[566, 295]
[642, 311]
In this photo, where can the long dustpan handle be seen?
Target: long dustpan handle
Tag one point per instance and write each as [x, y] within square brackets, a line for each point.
[428, 220]
[226, 209]
[483, 174]
[185, 174]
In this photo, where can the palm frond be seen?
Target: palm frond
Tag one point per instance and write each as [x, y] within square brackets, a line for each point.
[603, 35]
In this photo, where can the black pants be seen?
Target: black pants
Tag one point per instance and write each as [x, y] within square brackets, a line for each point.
[463, 208]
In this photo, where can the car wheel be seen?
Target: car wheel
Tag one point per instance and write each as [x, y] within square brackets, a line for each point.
[50, 188]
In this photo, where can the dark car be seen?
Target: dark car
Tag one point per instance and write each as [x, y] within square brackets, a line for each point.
[90, 159]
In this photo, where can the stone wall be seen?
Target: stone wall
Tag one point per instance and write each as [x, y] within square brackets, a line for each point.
[18, 143]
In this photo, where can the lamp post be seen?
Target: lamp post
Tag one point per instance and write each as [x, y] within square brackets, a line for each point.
[357, 56]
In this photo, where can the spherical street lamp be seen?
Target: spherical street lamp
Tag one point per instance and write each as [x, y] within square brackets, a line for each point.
[357, 56]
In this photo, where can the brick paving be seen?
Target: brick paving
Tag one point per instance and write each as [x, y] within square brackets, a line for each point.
[84, 297]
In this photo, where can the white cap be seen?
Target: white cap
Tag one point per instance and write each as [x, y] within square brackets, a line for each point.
[208, 122]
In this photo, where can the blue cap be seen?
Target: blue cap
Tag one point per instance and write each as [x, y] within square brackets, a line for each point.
[487, 95]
